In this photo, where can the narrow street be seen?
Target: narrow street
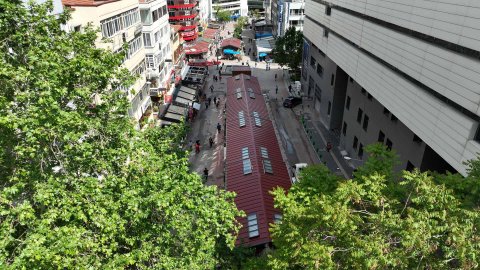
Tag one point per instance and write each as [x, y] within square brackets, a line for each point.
[295, 144]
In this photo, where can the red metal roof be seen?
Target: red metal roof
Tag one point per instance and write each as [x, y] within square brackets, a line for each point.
[252, 189]
[198, 48]
[210, 33]
[232, 42]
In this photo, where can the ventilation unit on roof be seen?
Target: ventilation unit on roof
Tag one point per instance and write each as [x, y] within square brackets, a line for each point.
[237, 77]
[247, 77]
[239, 93]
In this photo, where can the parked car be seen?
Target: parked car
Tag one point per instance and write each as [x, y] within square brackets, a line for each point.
[291, 102]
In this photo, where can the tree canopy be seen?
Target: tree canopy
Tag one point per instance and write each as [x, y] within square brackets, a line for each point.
[288, 49]
[223, 15]
[81, 187]
[240, 24]
[377, 220]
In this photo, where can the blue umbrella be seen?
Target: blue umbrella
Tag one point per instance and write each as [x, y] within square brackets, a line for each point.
[262, 54]
[230, 51]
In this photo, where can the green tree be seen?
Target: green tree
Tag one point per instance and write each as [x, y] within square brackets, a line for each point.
[241, 23]
[222, 14]
[81, 188]
[256, 14]
[377, 220]
[288, 50]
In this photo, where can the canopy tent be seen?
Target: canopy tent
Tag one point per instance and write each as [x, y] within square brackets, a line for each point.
[230, 51]
[262, 54]
[265, 45]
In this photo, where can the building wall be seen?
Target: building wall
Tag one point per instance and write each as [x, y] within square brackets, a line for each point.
[293, 16]
[423, 78]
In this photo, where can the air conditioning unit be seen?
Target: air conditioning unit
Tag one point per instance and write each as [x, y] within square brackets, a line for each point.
[152, 73]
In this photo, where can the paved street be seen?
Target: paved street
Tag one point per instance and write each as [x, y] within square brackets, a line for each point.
[295, 142]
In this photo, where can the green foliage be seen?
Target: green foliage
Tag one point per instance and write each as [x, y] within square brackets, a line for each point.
[366, 223]
[222, 14]
[256, 14]
[241, 23]
[288, 50]
[81, 188]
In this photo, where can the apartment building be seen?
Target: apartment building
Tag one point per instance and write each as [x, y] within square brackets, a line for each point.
[185, 14]
[404, 74]
[237, 7]
[292, 14]
[119, 23]
[156, 37]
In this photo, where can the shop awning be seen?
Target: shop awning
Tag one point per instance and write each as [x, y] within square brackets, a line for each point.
[230, 51]
[188, 90]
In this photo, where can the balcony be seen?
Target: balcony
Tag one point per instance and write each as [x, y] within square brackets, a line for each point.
[184, 16]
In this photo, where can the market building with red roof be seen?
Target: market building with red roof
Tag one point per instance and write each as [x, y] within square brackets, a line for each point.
[254, 163]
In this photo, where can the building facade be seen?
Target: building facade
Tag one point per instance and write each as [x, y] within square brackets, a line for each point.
[238, 8]
[291, 15]
[185, 14]
[406, 75]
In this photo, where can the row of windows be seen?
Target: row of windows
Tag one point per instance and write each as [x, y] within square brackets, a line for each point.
[158, 13]
[139, 69]
[115, 24]
[247, 164]
[134, 46]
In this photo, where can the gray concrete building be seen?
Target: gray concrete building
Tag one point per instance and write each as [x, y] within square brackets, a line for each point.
[404, 74]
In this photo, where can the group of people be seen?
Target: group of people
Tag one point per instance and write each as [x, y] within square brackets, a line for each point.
[216, 101]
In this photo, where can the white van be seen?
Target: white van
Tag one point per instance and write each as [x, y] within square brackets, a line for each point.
[297, 168]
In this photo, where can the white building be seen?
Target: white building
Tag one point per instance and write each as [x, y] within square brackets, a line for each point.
[292, 15]
[404, 74]
[120, 22]
[237, 7]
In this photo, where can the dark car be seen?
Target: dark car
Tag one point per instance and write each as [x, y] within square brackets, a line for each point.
[291, 102]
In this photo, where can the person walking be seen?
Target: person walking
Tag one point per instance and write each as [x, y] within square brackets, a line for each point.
[210, 140]
[276, 75]
[206, 104]
[329, 146]
[211, 88]
[219, 127]
[290, 88]
[276, 89]
[209, 101]
[215, 100]
[205, 174]
[197, 147]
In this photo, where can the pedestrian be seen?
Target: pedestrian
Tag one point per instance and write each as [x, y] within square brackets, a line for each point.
[215, 100]
[211, 88]
[205, 173]
[329, 146]
[206, 104]
[197, 147]
[219, 127]
[290, 88]
[276, 76]
[220, 72]
[276, 89]
[210, 140]
[217, 103]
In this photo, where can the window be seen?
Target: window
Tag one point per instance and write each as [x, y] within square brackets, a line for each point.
[239, 93]
[386, 111]
[250, 93]
[325, 32]
[369, 96]
[267, 166]
[146, 39]
[344, 130]
[332, 80]
[319, 70]
[329, 107]
[363, 91]
[264, 152]
[134, 46]
[256, 117]
[247, 164]
[410, 167]
[241, 119]
[277, 218]
[115, 24]
[416, 139]
[381, 136]
[328, 10]
[347, 104]
[355, 142]
[139, 69]
[359, 115]
[318, 93]
[360, 151]
[156, 37]
[252, 225]
[365, 122]
[389, 144]
[394, 118]
[312, 62]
